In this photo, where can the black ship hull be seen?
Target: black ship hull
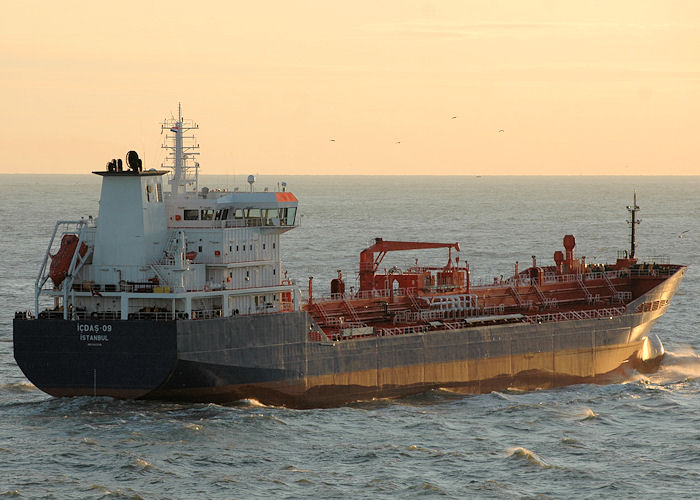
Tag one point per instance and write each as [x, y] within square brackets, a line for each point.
[277, 358]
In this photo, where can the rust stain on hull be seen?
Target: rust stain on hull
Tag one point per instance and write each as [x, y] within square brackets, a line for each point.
[523, 372]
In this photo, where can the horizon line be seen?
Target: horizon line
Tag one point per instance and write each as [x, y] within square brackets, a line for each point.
[398, 175]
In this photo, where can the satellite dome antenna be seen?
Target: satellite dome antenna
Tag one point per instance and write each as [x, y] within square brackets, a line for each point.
[251, 181]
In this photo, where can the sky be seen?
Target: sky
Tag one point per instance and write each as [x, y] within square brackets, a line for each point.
[393, 87]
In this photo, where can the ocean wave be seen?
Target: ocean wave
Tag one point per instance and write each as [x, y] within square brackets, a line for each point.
[429, 451]
[291, 468]
[250, 403]
[684, 364]
[263, 416]
[529, 456]
[425, 398]
[677, 370]
[572, 442]
[144, 464]
[118, 493]
[500, 395]
[19, 387]
[588, 414]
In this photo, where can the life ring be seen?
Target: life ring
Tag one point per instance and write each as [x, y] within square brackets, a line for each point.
[93, 315]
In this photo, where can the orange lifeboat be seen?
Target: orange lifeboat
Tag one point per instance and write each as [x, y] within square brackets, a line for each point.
[60, 262]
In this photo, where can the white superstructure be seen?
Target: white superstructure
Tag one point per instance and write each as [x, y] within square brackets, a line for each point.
[185, 254]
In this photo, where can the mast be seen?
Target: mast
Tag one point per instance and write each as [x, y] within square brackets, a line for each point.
[182, 150]
[633, 222]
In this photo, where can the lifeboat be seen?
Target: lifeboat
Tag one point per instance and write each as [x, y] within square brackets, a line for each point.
[60, 262]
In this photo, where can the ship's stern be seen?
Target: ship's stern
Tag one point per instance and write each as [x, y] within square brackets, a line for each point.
[121, 359]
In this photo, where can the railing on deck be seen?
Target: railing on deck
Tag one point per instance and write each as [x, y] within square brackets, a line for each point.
[646, 270]
[607, 312]
[366, 294]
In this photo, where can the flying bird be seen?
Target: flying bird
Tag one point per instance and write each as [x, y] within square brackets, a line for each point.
[683, 233]
[332, 140]
[455, 116]
[501, 130]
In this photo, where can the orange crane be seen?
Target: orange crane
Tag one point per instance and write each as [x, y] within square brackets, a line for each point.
[369, 263]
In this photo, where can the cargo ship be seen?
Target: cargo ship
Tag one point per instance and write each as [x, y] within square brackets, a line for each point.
[180, 294]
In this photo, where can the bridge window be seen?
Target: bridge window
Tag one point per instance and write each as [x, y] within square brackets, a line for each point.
[269, 215]
[253, 217]
[287, 216]
[207, 214]
[191, 214]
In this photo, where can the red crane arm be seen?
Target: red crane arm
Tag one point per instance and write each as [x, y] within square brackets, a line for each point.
[382, 247]
[369, 264]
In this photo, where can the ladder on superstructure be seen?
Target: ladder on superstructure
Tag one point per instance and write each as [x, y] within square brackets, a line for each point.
[543, 300]
[617, 295]
[579, 280]
[414, 303]
[327, 320]
[351, 310]
[168, 257]
[514, 292]
[611, 287]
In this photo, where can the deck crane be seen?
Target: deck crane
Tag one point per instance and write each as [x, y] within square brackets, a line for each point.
[369, 263]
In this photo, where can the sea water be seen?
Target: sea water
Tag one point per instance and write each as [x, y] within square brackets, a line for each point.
[636, 439]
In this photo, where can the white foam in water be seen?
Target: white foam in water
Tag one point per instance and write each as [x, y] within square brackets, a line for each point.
[681, 364]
